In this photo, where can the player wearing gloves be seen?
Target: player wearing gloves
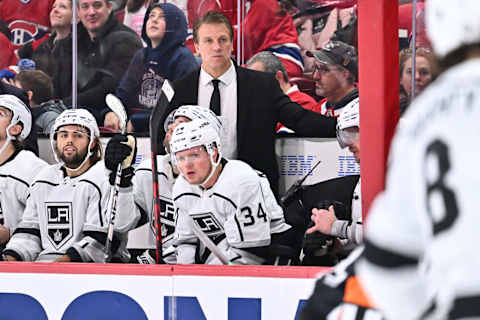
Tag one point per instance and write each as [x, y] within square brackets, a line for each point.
[17, 166]
[66, 214]
[167, 174]
[420, 258]
[350, 231]
[228, 200]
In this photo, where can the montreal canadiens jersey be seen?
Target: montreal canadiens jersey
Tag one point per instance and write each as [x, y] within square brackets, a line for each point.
[27, 19]
[64, 212]
[16, 175]
[422, 231]
[238, 212]
[143, 194]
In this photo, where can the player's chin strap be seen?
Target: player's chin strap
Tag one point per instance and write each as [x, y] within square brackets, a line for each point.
[9, 138]
[87, 156]
[214, 164]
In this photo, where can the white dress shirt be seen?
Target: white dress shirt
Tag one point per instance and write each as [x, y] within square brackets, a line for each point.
[228, 106]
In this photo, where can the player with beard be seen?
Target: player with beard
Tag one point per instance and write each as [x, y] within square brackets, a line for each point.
[15, 175]
[66, 217]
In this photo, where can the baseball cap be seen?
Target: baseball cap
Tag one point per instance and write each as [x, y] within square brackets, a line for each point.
[337, 53]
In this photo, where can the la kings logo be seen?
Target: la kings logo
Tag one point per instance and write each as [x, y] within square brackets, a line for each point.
[208, 224]
[59, 223]
[167, 219]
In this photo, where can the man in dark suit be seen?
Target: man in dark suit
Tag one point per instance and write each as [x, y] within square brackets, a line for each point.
[250, 102]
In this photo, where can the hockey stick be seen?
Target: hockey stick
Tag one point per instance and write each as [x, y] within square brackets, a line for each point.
[155, 127]
[117, 107]
[209, 243]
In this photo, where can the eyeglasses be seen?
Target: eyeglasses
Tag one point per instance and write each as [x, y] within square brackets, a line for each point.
[322, 69]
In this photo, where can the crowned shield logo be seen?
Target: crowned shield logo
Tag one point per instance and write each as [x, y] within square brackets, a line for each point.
[59, 223]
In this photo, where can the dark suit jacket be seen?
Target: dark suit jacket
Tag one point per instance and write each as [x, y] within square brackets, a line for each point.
[260, 105]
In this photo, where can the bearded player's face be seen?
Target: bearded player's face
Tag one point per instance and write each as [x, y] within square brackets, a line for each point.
[72, 145]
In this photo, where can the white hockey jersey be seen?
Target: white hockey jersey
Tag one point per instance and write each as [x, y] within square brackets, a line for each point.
[143, 194]
[420, 258]
[351, 232]
[238, 212]
[64, 213]
[16, 175]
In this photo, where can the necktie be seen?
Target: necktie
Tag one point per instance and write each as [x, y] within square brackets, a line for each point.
[215, 99]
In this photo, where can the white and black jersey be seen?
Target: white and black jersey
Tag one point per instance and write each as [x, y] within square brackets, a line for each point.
[239, 213]
[351, 232]
[67, 215]
[16, 175]
[421, 258]
[143, 194]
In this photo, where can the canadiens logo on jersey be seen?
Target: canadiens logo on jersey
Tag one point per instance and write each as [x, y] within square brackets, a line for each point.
[24, 31]
[208, 224]
[59, 223]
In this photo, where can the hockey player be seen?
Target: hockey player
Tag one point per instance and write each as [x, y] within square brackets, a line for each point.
[17, 166]
[420, 258]
[167, 174]
[348, 135]
[339, 295]
[66, 216]
[228, 200]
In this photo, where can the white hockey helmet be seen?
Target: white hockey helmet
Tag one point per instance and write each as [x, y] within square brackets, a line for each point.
[21, 113]
[194, 112]
[79, 117]
[452, 24]
[350, 117]
[196, 133]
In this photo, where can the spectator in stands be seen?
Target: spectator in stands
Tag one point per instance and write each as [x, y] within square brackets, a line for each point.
[105, 48]
[266, 61]
[241, 220]
[165, 57]
[268, 26]
[17, 166]
[7, 54]
[135, 14]
[425, 72]
[27, 20]
[335, 75]
[42, 51]
[250, 102]
[39, 88]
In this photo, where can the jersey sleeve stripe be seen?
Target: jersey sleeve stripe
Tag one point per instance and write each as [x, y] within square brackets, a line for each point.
[239, 228]
[46, 182]
[15, 178]
[34, 232]
[465, 307]
[186, 194]
[385, 258]
[99, 200]
[225, 198]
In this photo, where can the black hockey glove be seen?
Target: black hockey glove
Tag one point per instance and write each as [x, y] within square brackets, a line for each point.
[121, 149]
